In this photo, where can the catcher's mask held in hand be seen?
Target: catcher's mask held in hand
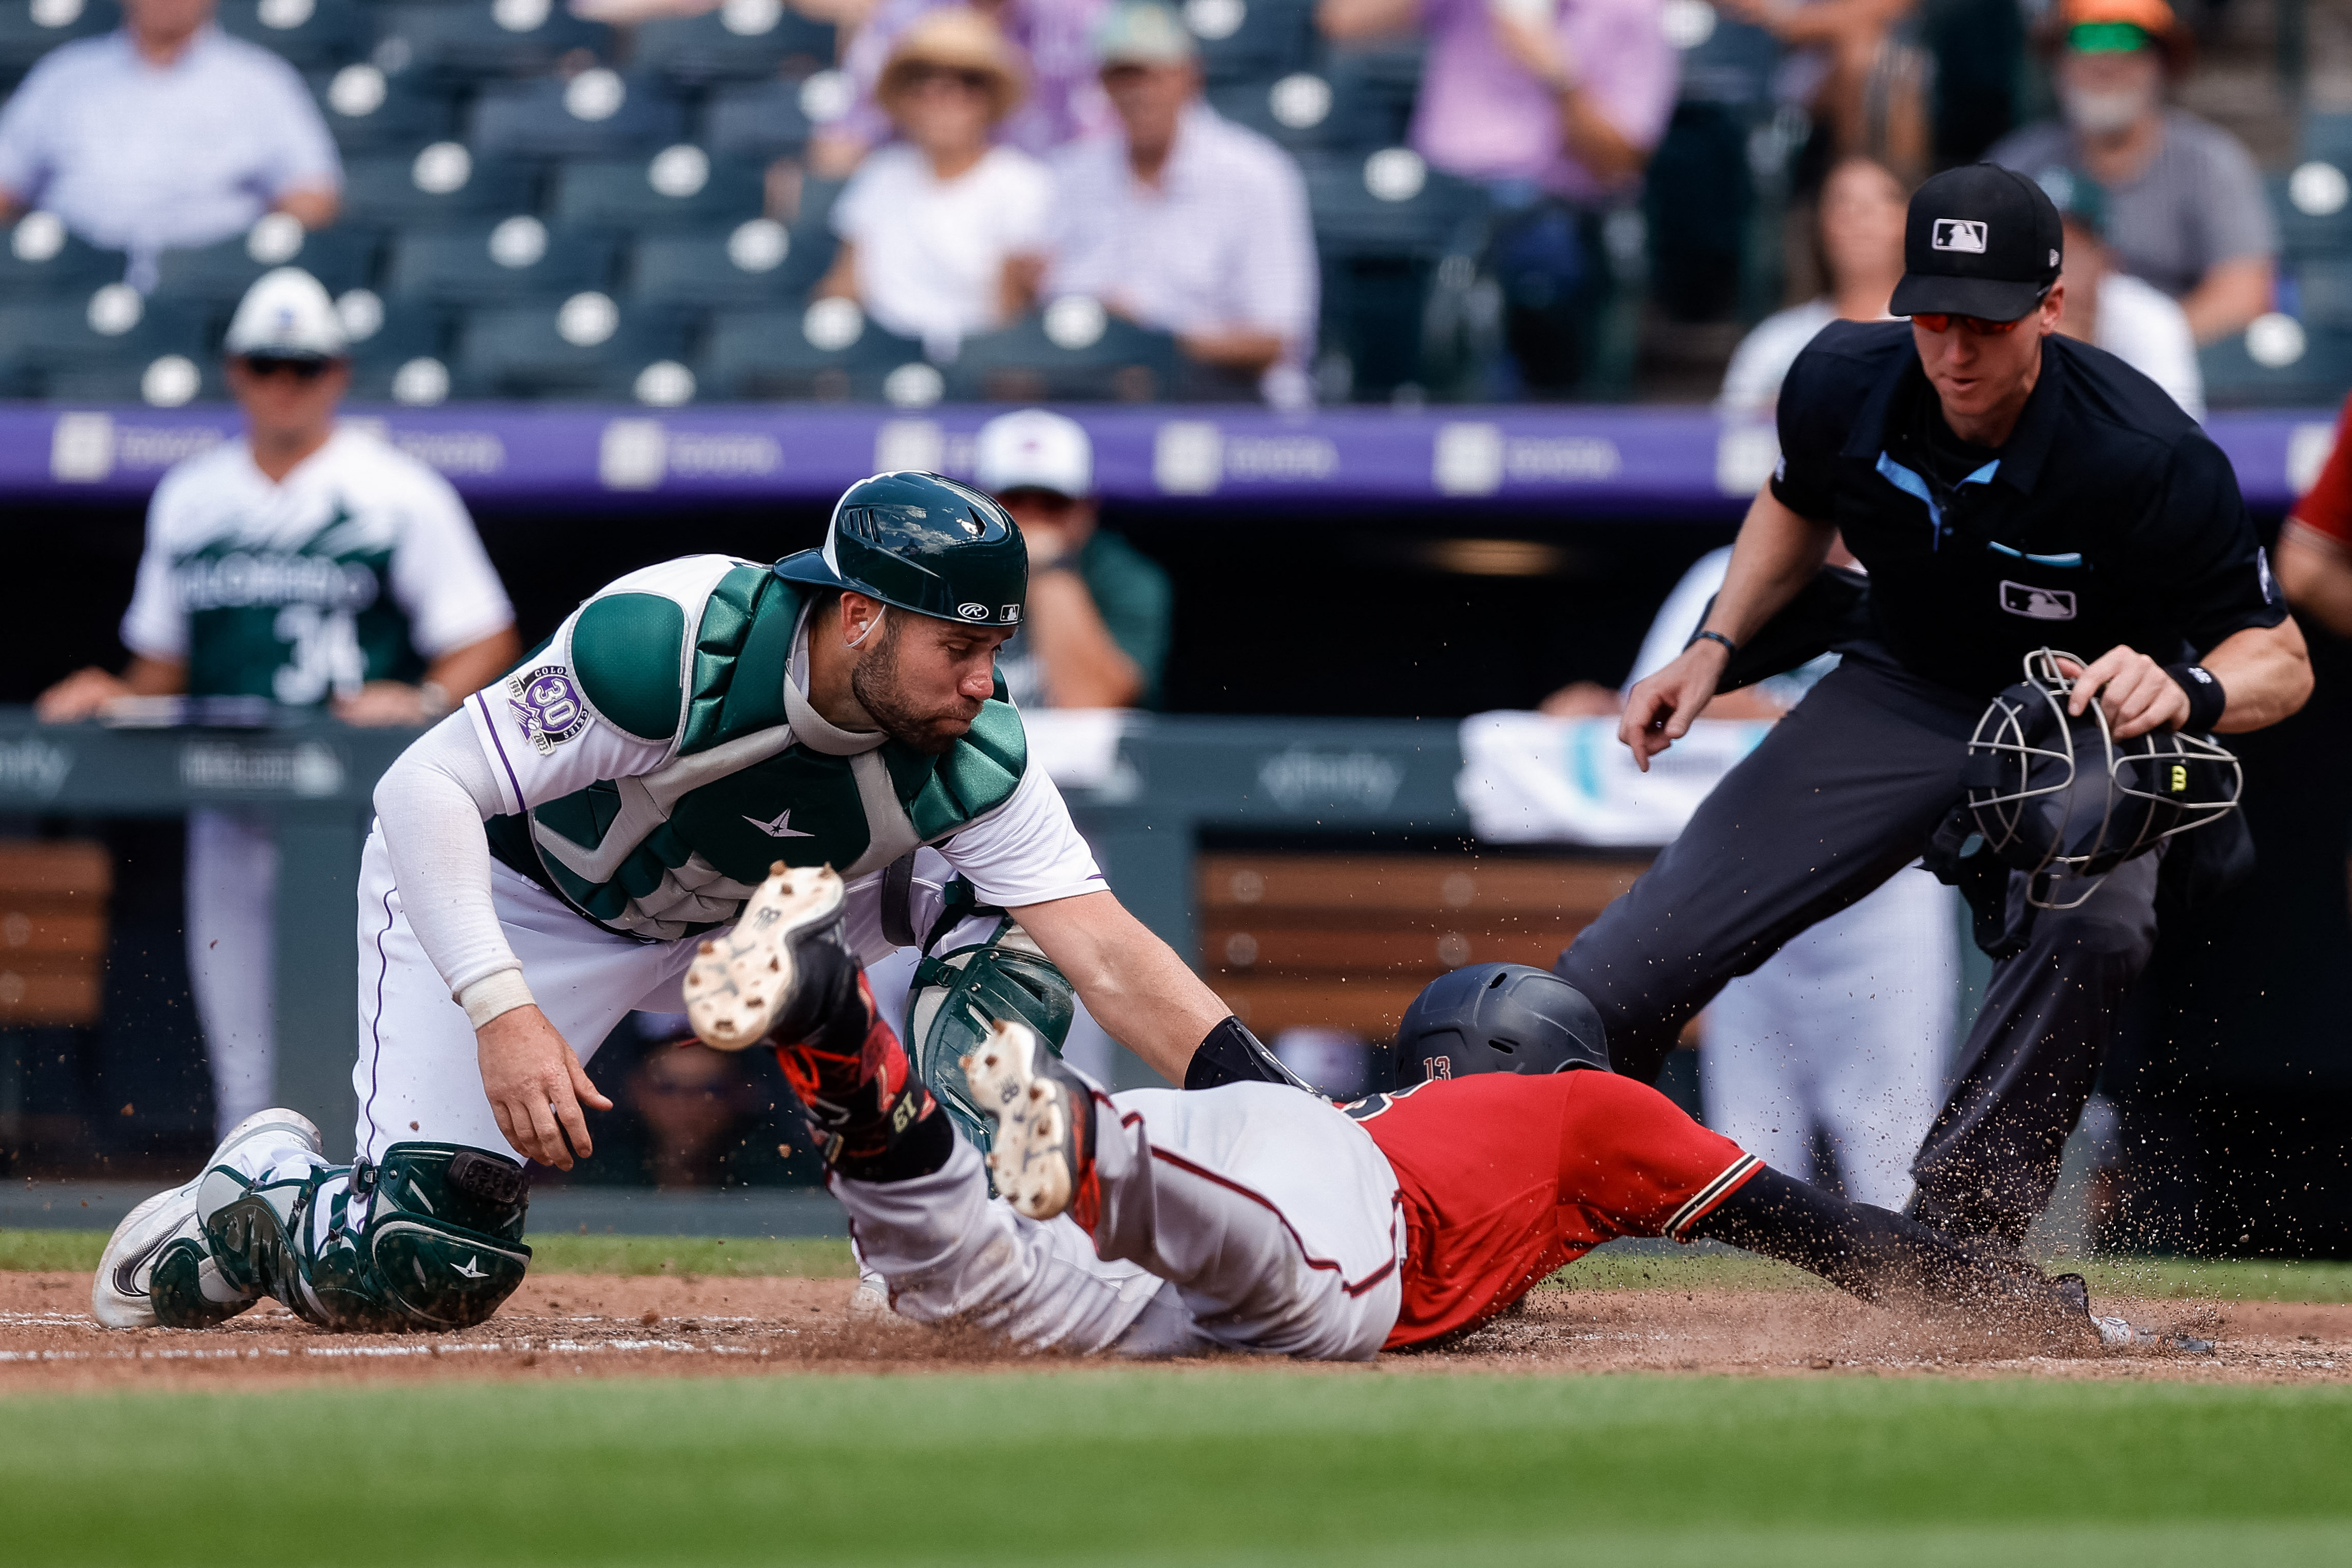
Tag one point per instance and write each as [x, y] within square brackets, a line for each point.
[2060, 799]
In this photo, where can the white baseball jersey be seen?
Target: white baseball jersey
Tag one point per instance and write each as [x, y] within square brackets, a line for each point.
[362, 564]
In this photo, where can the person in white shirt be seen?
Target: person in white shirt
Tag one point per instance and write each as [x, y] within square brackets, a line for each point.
[1185, 221]
[1862, 213]
[166, 134]
[2130, 318]
[943, 235]
[310, 564]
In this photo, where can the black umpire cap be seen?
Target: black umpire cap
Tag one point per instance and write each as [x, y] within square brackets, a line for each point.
[1980, 241]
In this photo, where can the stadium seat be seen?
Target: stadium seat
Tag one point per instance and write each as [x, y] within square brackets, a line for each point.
[2328, 137]
[599, 113]
[585, 346]
[368, 112]
[1306, 113]
[471, 41]
[743, 40]
[827, 351]
[2313, 207]
[441, 185]
[758, 262]
[110, 329]
[41, 259]
[1383, 79]
[760, 121]
[340, 257]
[2324, 293]
[508, 262]
[1072, 351]
[311, 33]
[169, 380]
[1383, 226]
[678, 187]
[31, 28]
[405, 359]
[2278, 362]
[1244, 40]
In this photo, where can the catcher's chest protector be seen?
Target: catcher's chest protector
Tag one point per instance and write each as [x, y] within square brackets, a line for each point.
[677, 851]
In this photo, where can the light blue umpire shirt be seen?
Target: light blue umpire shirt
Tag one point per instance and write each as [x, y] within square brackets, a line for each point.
[145, 158]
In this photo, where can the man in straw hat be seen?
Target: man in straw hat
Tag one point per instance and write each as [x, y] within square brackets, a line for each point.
[941, 232]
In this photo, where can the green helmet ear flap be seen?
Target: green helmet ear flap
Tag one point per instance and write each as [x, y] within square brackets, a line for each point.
[958, 994]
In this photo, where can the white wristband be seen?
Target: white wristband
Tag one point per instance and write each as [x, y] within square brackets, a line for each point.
[494, 994]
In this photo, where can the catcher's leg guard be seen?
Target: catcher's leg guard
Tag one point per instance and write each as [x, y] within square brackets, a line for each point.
[429, 1237]
[958, 994]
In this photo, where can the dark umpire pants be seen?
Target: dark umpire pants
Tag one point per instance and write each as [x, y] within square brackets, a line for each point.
[1841, 794]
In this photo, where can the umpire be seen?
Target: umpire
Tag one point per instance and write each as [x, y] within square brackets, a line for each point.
[2006, 489]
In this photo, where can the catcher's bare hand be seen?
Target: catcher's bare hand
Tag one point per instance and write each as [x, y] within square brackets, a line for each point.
[1659, 710]
[536, 1086]
[2138, 695]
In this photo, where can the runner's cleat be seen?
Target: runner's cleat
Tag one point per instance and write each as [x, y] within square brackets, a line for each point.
[1043, 1157]
[157, 1269]
[743, 979]
[2120, 1333]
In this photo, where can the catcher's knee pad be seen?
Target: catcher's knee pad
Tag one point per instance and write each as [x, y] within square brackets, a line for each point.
[429, 1237]
[957, 995]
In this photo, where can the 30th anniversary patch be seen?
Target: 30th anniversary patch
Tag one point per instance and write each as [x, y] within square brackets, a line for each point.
[547, 705]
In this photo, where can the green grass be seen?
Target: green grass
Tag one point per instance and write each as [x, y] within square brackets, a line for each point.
[1054, 1467]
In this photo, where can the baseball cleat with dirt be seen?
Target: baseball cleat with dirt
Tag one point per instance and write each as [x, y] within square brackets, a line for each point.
[157, 1266]
[1043, 1155]
[2122, 1333]
[742, 980]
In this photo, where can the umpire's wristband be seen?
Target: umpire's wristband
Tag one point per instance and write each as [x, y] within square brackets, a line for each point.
[2205, 698]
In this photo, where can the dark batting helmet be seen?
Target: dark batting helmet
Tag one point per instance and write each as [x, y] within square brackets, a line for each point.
[924, 543]
[2061, 798]
[1498, 1017]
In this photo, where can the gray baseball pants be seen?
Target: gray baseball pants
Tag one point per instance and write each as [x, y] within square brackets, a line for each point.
[1841, 794]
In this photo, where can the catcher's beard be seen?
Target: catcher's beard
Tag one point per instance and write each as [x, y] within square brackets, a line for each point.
[876, 682]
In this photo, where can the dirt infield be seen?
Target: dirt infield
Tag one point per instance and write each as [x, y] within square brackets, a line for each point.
[587, 1325]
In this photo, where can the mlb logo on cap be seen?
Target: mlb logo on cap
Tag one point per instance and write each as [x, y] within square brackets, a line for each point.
[1960, 234]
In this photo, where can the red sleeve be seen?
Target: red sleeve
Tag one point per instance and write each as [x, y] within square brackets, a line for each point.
[2326, 510]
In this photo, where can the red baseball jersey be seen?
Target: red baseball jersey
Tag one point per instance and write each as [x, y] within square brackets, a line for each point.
[1505, 1178]
[2326, 509]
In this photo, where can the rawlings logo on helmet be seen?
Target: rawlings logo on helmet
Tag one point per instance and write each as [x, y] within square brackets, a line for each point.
[972, 612]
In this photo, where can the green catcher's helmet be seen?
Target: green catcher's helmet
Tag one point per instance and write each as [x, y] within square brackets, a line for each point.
[923, 543]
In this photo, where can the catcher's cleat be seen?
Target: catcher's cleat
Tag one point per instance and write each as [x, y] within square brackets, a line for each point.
[158, 1270]
[786, 947]
[1044, 1155]
[2122, 1333]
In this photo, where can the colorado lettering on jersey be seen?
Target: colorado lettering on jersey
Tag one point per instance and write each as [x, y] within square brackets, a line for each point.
[243, 580]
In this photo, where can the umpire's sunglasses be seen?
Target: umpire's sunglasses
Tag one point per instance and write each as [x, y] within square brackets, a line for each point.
[264, 366]
[1941, 322]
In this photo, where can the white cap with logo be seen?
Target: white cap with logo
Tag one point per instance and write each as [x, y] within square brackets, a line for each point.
[1033, 450]
[287, 315]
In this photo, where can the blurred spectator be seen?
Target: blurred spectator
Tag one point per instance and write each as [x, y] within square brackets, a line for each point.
[1863, 206]
[2185, 207]
[165, 134]
[1185, 221]
[2315, 543]
[944, 235]
[691, 1099]
[1851, 67]
[1555, 106]
[1049, 44]
[309, 563]
[2116, 312]
[1096, 632]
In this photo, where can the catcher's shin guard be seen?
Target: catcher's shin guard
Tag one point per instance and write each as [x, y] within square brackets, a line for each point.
[959, 995]
[428, 1238]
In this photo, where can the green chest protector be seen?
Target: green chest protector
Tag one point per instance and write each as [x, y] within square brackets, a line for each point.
[675, 852]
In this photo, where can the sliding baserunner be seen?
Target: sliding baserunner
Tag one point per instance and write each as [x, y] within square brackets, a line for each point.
[547, 860]
[1256, 1217]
